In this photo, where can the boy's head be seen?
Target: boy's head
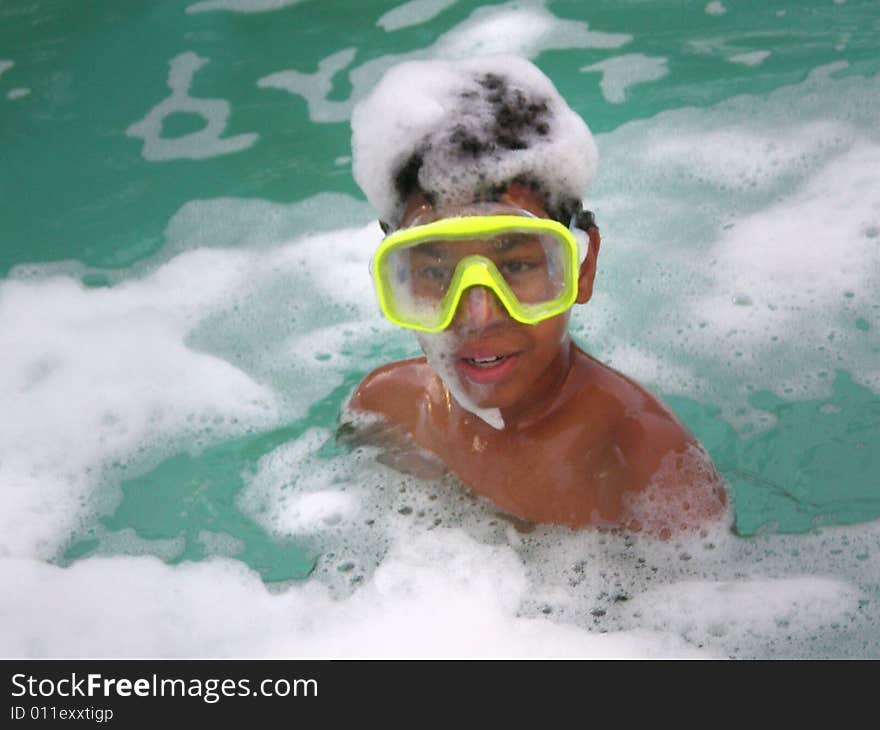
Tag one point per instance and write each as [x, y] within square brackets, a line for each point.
[472, 167]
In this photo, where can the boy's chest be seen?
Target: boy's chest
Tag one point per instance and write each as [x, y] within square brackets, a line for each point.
[556, 475]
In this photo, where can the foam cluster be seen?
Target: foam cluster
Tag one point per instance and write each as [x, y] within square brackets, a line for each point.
[457, 130]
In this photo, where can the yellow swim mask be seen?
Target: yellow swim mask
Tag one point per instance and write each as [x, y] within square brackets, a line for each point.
[422, 272]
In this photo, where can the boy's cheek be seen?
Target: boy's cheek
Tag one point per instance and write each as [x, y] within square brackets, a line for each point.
[438, 342]
[440, 349]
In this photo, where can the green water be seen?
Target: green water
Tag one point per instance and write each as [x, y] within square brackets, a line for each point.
[74, 187]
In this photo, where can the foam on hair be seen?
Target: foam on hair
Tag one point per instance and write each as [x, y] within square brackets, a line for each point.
[462, 130]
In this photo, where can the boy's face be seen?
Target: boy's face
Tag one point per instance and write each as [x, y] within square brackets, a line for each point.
[495, 361]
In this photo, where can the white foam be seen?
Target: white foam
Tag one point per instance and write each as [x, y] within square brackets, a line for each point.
[753, 58]
[659, 505]
[206, 142]
[127, 542]
[729, 47]
[5, 65]
[413, 13]
[770, 249]
[240, 6]
[648, 366]
[97, 376]
[220, 543]
[621, 72]
[743, 156]
[18, 93]
[307, 314]
[716, 7]
[705, 612]
[415, 606]
[524, 28]
[446, 593]
[291, 494]
[247, 223]
[316, 87]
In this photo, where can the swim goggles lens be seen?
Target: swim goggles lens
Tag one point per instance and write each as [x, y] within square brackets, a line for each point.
[421, 272]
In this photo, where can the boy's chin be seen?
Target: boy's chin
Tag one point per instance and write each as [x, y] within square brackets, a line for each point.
[488, 396]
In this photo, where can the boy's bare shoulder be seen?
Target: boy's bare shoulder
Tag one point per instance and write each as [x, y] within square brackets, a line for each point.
[394, 389]
[659, 459]
[629, 409]
[392, 398]
[643, 426]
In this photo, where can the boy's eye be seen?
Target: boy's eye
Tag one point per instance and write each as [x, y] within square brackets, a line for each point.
[515, 267]
[518, 266]
[434, 273]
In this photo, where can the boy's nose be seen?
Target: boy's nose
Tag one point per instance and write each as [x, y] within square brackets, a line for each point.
[479, 306]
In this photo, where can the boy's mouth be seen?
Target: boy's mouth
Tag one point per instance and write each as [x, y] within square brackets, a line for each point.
[486, 368]
[485, 362]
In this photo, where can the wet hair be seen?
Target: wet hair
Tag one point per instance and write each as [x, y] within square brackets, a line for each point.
[514, 120]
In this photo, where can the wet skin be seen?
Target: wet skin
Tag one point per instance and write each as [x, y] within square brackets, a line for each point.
[582, 444]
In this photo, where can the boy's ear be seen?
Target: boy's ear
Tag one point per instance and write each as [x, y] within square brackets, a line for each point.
[588, 268]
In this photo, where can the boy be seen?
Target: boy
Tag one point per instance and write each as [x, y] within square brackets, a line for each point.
[477, 169]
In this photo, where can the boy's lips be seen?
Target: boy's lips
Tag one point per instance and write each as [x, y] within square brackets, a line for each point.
[485, 367]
